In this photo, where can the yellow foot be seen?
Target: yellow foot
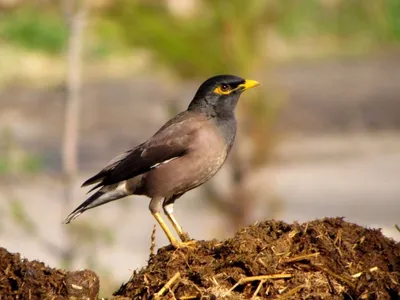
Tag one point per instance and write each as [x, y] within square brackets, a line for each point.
[184, 237]
[188, 244]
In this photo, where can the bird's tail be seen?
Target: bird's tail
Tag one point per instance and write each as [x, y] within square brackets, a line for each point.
[102, 196]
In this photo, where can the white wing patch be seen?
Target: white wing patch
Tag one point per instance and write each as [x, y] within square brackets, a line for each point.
[163, 163]
[121, 187]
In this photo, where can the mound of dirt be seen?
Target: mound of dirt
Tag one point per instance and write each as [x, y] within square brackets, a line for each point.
[323, 259]
[23, 279]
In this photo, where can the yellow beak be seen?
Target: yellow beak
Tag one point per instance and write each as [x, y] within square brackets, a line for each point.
[249, 84]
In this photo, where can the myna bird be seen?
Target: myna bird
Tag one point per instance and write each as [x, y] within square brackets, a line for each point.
[183, 154]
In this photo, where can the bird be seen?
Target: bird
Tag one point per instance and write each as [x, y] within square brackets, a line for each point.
[183, 154]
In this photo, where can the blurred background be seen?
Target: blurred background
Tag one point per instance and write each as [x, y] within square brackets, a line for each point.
[82, 81]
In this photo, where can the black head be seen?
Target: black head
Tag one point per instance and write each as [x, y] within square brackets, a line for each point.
[219, 95]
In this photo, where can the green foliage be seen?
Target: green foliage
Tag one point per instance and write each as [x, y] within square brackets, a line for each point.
[225, 35]
[21, 217]
[4, 168]
[353, 20]
[13, 159]
[108, 38]
[223, 38]
[34, 29]
[393, 13]
[217, 38]
[26, 164]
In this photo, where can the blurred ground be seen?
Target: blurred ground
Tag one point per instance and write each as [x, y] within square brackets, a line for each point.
[339, 156]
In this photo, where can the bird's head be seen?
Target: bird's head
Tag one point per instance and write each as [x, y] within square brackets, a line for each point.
[220, 94]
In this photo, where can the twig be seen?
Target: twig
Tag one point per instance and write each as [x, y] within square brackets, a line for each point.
[300, 258]
[194, 285]
[153, 242]
[167, 285]
[258, 289]
[345, 280]
[293, 233]
[291, 292]
[397, 227]
[213, 280]
[305, 229]
[360, 273]
[172, 294]
[261, 261]
[255, 278]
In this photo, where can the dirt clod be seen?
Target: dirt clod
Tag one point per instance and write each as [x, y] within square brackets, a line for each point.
[323, 259]
[23, 279]
[82, 284]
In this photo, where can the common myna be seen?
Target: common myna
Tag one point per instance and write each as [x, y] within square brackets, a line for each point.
[183, 154]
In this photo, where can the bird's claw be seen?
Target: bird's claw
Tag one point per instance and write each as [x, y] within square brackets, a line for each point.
[187, 244]
[185, 237]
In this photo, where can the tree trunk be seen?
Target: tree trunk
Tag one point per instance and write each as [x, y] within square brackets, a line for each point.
[75, 12]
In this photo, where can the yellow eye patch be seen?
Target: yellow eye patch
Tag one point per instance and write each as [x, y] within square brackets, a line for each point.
[223, 89]
[226, 89]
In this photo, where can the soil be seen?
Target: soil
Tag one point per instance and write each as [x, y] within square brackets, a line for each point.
[322, 259]
[23, 279]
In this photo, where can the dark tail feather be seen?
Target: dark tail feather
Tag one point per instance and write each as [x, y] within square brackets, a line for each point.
[95, 187]
[105, 194]
[84, 206]
[96, 178]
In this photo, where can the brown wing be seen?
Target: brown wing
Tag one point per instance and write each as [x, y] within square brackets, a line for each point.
[172, 140]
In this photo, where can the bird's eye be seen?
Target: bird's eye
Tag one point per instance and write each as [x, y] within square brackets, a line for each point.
[224, 87]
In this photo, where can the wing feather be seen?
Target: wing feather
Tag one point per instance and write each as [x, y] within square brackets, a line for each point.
[110, 166]
[171, 141]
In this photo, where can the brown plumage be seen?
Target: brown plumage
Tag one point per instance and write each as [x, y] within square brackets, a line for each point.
[183, 154]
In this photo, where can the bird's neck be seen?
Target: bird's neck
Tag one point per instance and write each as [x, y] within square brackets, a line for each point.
[225, 120]
[223, 113]
[227, 127]
[206, 110]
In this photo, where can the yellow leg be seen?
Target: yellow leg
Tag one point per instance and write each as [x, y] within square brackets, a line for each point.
[167, 232]
[184, 236]
[168, 206]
